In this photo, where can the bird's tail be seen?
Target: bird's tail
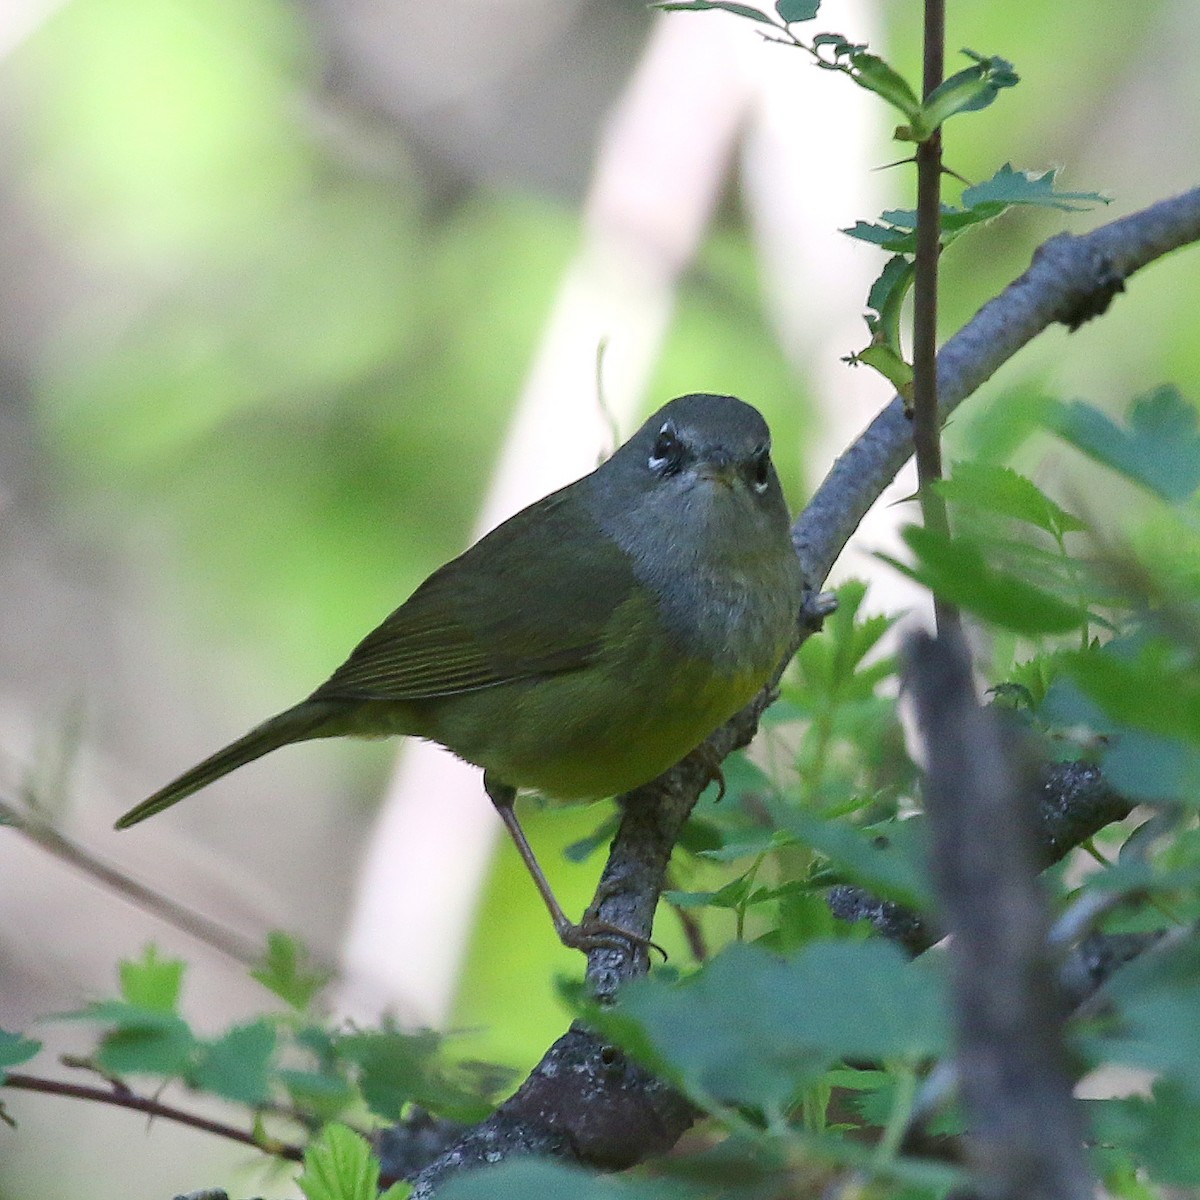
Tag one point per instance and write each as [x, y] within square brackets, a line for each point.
[295, 725]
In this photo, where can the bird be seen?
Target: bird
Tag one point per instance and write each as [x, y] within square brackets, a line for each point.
[586, 644]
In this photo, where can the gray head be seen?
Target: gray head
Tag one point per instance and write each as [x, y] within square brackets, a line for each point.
[698, 449]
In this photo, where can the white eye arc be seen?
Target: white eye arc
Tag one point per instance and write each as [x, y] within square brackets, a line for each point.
[761, 479]
[667, 450]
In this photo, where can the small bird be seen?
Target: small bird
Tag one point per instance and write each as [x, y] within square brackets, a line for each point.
[586, 644]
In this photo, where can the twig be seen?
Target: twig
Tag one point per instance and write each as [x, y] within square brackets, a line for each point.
[123, 1098]
[1027, 1136]
[221, 938]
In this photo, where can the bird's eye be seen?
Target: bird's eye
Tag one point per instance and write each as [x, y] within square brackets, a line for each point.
[667, 451]
[760, 469]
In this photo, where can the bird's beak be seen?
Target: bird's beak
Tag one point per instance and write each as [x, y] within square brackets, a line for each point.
[717, 470]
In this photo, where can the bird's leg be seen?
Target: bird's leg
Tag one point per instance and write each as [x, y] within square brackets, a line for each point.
[592, 931]
[710, 760]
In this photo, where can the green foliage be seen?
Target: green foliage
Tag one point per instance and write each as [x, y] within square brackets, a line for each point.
[339, 1165]
[294, 1057]
[1159, 450]
[752, 1029]
[15, 1049]
[285, 972]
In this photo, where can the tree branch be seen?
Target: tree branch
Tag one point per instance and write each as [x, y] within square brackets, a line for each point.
[1026, 1138]
[123, 1098]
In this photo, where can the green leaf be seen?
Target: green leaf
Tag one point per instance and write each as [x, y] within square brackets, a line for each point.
[889, 364]
[400, 1068]
[585, 847]
[1009, 186]
[15, 1049]
[285, 971]
[753, 1028]
[1139, 684]
[157, 1044]
[533, 1179]
[237, 1064]
[339, 1165]
[152, 982]
[1157, 998]
[1159, 1131]
[1159, 450]
[738, 10]
[968, 90]
[1001, 490]
[873, 73]
[791, 12]
[888, 859]
[957, 570]
[888, 237]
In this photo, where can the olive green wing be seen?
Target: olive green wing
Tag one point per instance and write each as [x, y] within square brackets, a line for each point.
[533, 597]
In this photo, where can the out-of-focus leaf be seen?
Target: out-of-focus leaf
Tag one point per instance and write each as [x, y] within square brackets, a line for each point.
[285, 971]
[791, 12]
[237, 1065]
[738, 10]
[753, 1028]
[957, 570]
[1002, 491]
[1009, 186]
[15, 1049]
[1159, 449]
[152, 982]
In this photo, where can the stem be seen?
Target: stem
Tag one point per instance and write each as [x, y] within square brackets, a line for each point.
[212, 933]
[926, 422]
[153, 1108]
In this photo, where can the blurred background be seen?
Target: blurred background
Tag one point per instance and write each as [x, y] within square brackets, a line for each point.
[296, 298]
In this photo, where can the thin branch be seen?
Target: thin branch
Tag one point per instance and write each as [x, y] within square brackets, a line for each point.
[123, 1098]
[1074, 803]
[221, 938]
[926, 425]
[1026, 1139]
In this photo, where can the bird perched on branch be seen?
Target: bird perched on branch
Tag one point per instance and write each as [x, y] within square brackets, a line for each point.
[586, 644]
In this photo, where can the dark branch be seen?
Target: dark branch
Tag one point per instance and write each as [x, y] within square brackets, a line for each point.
[1074, 803]
[1027, 1137]
[123, 1098]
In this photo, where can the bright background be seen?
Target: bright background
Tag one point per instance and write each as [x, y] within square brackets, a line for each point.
[274, 280]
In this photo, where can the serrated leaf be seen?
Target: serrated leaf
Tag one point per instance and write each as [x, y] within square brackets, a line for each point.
[957, 570]
[738, 10]
[1001, 490]
[339, 1165]
[754, 1028]
[236, 1065]
[15, 1049]
[152, 982]
[792, 12]
[286, 972]
[1158, 1130]
[1009, 186]
[886, 236]
[1159, 449]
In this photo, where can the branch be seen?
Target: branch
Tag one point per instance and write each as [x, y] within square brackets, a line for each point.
[221, 938]
[1074, 803]
[121, 1097]
[1027, 1137]
[1070, 279]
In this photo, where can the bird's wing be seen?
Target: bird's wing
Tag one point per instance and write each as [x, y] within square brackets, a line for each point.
[531, 598]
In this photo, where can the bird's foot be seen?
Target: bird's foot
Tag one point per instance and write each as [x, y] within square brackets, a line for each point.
[595, 933]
